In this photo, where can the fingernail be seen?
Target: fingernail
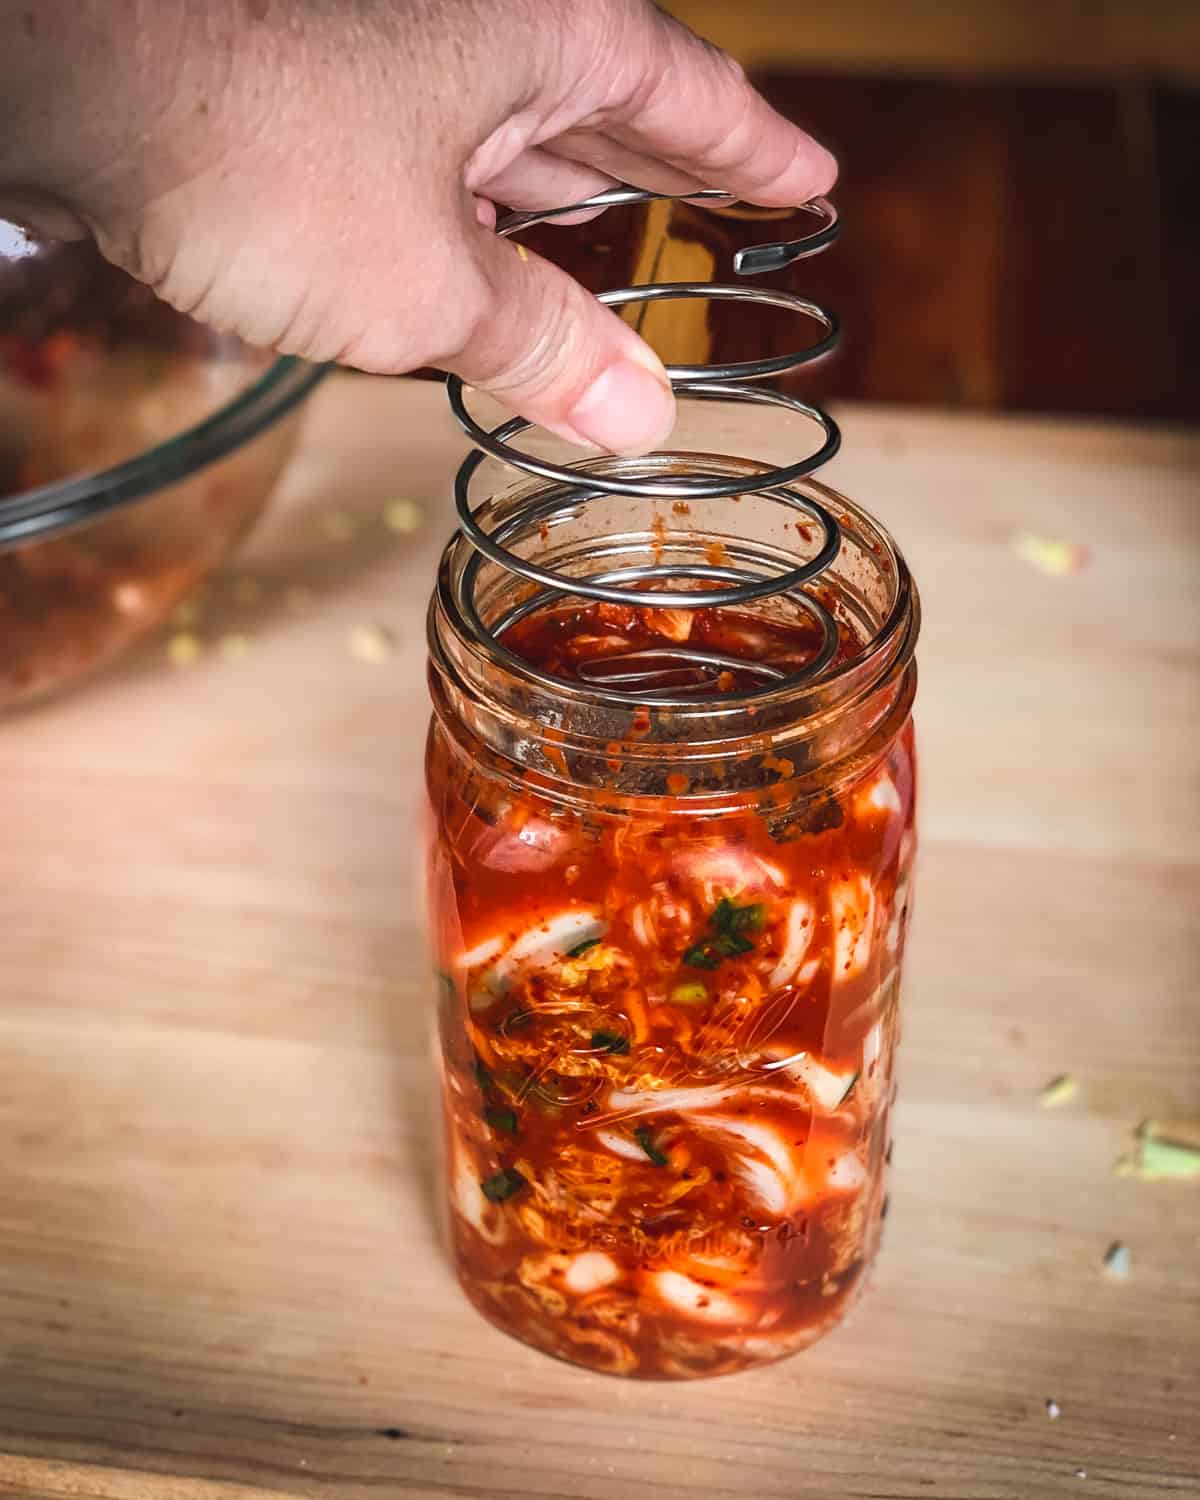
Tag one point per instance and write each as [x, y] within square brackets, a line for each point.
[627, 409]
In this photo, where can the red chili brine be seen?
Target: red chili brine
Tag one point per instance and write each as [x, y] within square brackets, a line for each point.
[668, 942]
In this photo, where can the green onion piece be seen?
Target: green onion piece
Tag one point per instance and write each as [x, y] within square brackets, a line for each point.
[502, 1184]
[583, 947]
[712, 951]
[729, 918]
[501, 1119]
[690, 992]
[609, 1041]
[483, 1076]
[646, 1141]
[701, 956]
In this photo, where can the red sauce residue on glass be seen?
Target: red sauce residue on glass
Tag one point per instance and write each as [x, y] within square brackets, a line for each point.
[667, 1040]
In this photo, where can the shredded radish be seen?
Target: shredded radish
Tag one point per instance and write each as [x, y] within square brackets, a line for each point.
[826, 1088]
[474, 1207]
[899, 915]
[872, 1051]
[481, 953]
[883, 796]
[764, 1183]
[659, 1101]
[693, 1297]
[735, 871]
[537, 946]
[798, 935]
[847, 1173]
[620, 1145]
[852, 909]
[589, 1271]
[764, 1138]
[779, 1182]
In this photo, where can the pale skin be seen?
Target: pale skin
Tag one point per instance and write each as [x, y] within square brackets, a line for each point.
[321, 176]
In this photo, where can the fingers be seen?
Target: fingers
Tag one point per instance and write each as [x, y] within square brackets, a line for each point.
[690, 107]
[623, 164]
[541, 179]
[547, 349]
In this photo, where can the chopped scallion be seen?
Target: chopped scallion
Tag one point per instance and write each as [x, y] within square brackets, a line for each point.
[646, 1141]
[501, 1119]
[609, 1041]
[502, 1184]
[730, 918]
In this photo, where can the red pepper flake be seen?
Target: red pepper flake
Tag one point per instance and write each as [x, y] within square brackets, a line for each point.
[613, 749]
[681, 508]
[677, 783]
[641, 723]
[805, 531]
[716, 554]
[725, 682]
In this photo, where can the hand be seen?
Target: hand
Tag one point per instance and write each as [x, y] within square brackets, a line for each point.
[322, 178]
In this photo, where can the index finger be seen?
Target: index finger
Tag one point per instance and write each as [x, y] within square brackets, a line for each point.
[691, 105]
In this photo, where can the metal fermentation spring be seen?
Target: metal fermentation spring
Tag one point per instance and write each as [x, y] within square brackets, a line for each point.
[654, 673]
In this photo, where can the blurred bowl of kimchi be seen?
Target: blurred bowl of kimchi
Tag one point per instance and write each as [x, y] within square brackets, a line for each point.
[136, 449]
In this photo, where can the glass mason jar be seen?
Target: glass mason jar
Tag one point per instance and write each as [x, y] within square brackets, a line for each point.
[668, 945]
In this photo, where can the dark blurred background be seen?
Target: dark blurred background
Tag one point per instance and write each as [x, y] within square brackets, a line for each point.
[1020, 188]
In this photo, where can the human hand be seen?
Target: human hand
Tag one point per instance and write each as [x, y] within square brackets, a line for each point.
[322, 178]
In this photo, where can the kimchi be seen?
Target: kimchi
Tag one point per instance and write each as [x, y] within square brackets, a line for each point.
[667, 1020]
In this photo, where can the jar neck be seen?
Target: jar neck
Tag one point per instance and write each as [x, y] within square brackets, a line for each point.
[583, 745]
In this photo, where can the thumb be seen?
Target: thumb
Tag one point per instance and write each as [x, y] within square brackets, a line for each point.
[549, 350]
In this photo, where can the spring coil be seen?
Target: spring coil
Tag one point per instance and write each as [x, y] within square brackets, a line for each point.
[637, 675]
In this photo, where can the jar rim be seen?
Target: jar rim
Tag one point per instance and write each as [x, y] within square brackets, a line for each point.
[447, 606]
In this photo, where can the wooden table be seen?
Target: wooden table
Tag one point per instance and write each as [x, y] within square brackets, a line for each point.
[217, 1272]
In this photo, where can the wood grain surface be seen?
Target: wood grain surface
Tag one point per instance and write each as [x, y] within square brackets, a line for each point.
[218, 1277]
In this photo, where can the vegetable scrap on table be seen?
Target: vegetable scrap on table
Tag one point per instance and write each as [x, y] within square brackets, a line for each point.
[371, 643]
[1162, 1151]
[183, 649]
[1053, 556]
[403, 517]
[234, 645]
[1060, 1090]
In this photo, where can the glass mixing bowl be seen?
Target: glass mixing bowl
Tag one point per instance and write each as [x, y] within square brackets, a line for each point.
[136, 447]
